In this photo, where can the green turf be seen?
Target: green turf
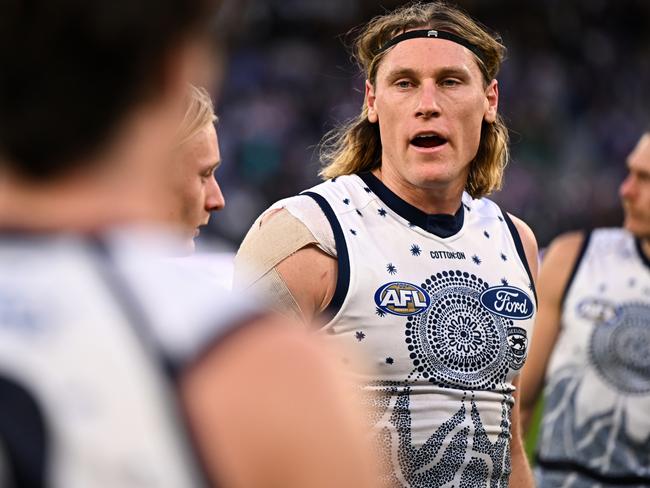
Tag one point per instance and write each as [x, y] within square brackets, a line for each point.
[531, 439]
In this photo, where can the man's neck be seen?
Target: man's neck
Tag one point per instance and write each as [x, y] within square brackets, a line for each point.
[69, 205]
[443, 198]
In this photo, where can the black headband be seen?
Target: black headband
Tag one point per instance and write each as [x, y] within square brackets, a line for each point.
[433, 34]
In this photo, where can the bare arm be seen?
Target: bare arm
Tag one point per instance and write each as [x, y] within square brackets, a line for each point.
[310, 274]
[522, 476]
[280, 259]
[268, 410]
[556, 269]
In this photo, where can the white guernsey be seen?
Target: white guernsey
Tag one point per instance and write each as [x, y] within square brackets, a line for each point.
[442, 307]
[596, 426]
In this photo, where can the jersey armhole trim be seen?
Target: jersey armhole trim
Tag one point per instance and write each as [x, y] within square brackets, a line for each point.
[117, 285]
[342, 256]
[25, 436]
[520, 250]
[576, 265]
[639, 247]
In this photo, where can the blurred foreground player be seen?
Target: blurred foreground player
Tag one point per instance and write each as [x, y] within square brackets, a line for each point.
[116, 370]
[592, 348]
[416, 271]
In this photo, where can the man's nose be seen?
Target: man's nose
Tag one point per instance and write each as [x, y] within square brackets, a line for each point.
[214, 200]
[627, 188]
[428, 105]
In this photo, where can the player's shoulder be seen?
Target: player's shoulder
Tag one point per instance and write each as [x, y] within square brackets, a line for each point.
[601, 239]
[524, 229]
[525, 233]
[568, 242]
[185, 308]
[607, 235]
[565, 250]
[343, 192]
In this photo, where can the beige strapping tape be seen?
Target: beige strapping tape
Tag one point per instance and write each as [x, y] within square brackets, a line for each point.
[268, 244]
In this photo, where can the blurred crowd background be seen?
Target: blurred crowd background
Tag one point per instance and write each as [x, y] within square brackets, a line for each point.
[574, 90]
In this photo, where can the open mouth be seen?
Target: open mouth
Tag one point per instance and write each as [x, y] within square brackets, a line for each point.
[428, 140]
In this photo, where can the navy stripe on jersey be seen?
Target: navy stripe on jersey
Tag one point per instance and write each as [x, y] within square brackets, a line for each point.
[520, 250]
[441, 225]
[24, 435]
[576, 265]
[139, 320]
[642, 255]
[569, 467]
[343, 275]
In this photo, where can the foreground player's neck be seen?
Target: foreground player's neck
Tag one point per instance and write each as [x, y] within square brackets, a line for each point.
[74, 204]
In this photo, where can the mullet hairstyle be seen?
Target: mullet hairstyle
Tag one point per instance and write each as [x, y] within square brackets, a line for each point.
[356, 145]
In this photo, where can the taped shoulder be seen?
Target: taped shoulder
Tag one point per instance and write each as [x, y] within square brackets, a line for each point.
[275, 236]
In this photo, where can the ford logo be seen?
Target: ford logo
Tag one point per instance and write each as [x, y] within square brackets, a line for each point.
[508, 301]
[400, 298]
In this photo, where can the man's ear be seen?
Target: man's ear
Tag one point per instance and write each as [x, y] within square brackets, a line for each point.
[491, 102]
[370, 103]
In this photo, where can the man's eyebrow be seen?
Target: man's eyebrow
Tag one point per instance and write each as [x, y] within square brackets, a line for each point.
[458, 71]
[443, 71]
[399, 72]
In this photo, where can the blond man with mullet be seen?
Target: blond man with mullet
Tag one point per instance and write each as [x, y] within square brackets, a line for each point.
[411, 266]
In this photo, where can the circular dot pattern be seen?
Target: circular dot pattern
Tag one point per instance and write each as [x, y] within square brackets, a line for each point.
[457, 342]
[619, 349]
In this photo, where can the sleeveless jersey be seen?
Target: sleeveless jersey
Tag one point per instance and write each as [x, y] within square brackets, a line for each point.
[443, 321]
[596, 422]
[92, 336]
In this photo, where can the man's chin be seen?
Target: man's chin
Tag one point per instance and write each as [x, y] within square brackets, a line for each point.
[636, 228]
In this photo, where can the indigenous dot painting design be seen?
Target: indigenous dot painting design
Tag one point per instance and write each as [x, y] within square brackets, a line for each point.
[457, 342]
[438, 462]
[619, 348]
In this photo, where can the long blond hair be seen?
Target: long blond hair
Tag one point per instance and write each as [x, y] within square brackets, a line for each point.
[356, 145]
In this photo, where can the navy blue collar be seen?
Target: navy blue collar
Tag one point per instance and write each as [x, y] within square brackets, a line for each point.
[639, 247]
[441, 225]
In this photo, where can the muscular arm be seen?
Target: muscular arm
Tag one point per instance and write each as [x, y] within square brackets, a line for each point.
[304, 275]
[268, 410]
[556, 269]
[310, 274]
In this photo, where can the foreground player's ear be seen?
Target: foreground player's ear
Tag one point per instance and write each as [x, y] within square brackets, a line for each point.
[370, 102]
[491, 101]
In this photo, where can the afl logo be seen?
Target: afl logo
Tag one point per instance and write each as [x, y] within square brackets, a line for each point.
[597, 310]
[400, 298]
[508, 301]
